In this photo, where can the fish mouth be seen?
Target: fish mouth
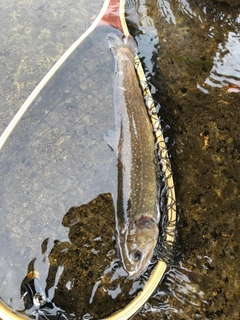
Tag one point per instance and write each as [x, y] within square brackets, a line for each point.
[132, 275]
[136, 253]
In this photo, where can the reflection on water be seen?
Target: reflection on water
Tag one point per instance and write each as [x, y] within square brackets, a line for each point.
[166, 11]
[226, 68]
[179, 292]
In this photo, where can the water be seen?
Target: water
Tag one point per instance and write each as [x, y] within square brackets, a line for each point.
[190, 53]
[197, 75]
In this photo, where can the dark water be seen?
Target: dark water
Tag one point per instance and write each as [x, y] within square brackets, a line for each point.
[57, 159]
[195, 70]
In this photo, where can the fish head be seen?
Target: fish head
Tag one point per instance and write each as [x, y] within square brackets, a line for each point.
[136, 245]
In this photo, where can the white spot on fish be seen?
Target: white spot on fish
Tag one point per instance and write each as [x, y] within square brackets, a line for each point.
[135, 128]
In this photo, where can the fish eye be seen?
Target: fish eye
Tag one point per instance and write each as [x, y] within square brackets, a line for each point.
[137, 255]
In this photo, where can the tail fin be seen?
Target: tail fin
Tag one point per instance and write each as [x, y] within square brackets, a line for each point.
[114, 42]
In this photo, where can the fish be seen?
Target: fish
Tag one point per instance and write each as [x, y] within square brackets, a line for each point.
[137, 207]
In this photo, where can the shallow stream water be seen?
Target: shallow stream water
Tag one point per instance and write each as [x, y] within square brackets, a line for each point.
[57, 157]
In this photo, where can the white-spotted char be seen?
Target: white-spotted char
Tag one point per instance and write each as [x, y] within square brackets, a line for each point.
[137, 207]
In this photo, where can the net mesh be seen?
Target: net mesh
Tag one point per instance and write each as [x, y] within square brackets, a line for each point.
[166, 190]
